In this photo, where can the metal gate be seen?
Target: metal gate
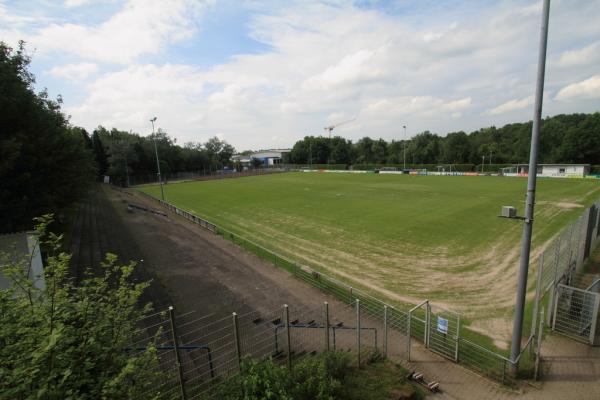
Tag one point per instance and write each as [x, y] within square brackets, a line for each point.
[576, 313]
[418, 323]
[437, 327]
[444, 327]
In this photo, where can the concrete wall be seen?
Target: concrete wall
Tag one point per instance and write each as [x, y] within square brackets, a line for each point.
[22, 248]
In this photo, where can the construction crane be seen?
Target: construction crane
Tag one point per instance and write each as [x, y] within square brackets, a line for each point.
[331, 127]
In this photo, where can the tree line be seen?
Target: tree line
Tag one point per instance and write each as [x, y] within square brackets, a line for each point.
[573, 138]
[47, 163]
[123, 155]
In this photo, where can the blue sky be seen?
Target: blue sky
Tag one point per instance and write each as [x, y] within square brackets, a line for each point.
[262, 74]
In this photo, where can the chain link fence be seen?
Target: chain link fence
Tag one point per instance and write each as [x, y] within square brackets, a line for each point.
[570, 296]
[197, 354]
[436, 328]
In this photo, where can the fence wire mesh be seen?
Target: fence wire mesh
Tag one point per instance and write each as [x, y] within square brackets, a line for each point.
[307, 334]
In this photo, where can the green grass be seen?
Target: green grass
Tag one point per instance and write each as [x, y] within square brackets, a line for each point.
[402, 237]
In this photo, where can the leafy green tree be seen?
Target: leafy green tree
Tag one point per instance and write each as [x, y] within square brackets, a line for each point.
[69, 341]
[99, 152]
[45, 164]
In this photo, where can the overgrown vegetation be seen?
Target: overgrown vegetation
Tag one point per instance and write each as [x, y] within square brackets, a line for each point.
[327, 376]
[66, 341]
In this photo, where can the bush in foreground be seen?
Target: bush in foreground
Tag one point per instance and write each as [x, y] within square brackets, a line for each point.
[67, 341]
[327, 376]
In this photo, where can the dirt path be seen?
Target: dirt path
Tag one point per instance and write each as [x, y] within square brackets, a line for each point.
[197, 270]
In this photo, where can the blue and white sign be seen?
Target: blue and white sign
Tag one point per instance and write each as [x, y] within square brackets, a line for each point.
[442, 325]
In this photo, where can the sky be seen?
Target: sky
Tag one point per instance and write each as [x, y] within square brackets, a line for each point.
[264, 74]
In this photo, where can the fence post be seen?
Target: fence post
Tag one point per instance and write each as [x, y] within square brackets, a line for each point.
[351, 295]
[594, 318]
[385, 330]
[457, 338]
[427, 322]
[538, 346]
[554, 307]
[538, 291]
[326, 326]
[236, 339]
[177, 355]
[286, 316]
[358, 331]
[408, 337]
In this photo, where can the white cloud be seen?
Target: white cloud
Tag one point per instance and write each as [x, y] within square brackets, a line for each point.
[437, 70]
[127, 99]
[140, 27]
[512, 105]
[75, 72]
[75, 3]
[587, 55]
[457, 105]
[586, 89]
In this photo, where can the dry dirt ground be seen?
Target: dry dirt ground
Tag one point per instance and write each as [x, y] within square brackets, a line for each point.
[197, 270]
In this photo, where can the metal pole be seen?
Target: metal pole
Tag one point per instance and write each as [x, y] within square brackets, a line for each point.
[531, 183]
[326, 326]
[404, 158]
[236, 339]
[286, 316]
[427, 323]
[385, 330]
[408, 335]
[177, 355]
[358, 331]
[482, 163]
[457, 338]
[162, 193]
[539, 346]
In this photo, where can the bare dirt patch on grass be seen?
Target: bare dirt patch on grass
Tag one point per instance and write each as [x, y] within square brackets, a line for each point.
[480, 285]
[562, 204]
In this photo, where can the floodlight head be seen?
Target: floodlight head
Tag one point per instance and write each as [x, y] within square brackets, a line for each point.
[153, 119]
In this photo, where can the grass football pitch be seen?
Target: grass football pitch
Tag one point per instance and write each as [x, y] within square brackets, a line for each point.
[406, 238]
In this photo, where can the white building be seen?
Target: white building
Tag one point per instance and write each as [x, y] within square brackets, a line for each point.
[551, 170]
[268, 158]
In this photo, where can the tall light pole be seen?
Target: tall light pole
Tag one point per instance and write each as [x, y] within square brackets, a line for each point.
[162, 192]
[515, 348]
[404, 157]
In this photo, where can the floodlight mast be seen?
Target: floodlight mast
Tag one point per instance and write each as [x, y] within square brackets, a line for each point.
[515, 348]
[404, 149]
[332, 127]
[162, 193]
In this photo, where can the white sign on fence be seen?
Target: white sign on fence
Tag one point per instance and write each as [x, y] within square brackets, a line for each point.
[442, 325]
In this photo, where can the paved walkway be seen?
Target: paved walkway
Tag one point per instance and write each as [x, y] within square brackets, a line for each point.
[571, 370]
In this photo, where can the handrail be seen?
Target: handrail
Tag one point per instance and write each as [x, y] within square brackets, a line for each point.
[589, 288]
[418, 305]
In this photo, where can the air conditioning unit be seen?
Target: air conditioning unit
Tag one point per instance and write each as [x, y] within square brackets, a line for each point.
[509, 212]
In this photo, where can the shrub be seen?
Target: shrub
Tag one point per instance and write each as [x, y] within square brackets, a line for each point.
[68, 341]
[313, 378]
